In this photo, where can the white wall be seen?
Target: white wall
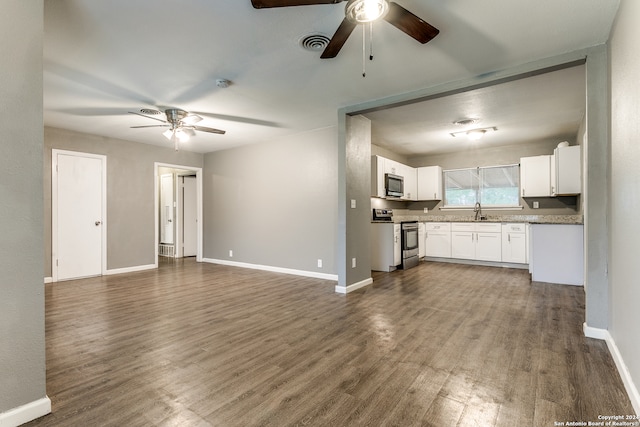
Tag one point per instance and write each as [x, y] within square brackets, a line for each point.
[22, 345]
[624, 270]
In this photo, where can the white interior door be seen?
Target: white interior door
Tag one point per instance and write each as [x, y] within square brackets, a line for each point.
[79, 216]
[190, 216]
[166, 209]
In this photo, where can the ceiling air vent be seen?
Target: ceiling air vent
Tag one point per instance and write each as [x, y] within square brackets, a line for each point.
[150, 111]
[314, 42]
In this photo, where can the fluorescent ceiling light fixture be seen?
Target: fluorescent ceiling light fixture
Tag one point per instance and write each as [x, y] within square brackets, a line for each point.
[363, 11]
[474, 134]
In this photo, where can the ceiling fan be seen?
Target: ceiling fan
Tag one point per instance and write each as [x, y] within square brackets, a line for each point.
[181, 124]
[362, 12]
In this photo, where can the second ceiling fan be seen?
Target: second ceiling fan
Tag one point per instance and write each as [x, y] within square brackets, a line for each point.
[362, 12]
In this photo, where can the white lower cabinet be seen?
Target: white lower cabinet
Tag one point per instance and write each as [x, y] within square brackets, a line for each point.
[386, 252]
[437, 239]
[514, 243]
[476, 241]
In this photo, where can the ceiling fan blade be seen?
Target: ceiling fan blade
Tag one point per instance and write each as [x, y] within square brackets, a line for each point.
[210, 130]
[148, 117]
[151, 126]
[260, 4]
[339, 39]
[239, 119]
[409, 23]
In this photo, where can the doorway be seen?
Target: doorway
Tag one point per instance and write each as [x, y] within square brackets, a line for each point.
[178, 196]
[78, 199]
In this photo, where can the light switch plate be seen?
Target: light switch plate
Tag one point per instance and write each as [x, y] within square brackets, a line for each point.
[353, 203]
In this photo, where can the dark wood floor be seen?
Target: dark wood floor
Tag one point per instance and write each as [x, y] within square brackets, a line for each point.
[441, 344]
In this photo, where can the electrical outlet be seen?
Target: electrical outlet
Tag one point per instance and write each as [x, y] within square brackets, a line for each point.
[353, 263]
[353, 203]
[230, 253]
[536, 205]
[319, 263]
[426, 210]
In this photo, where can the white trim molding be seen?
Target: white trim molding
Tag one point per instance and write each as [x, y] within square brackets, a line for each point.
[354, 286]
[130, 269]
[313, 274]
[627, 380]
[25, 413]
[48, 280]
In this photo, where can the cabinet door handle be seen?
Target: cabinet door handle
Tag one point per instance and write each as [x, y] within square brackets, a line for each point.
[523, 192]
[509, 237]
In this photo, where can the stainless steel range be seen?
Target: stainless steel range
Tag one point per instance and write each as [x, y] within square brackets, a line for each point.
[409, 242]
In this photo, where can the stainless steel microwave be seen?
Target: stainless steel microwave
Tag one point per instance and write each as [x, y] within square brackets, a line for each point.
[394, 185]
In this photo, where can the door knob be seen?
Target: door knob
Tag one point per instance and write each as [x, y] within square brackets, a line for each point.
[98, 223]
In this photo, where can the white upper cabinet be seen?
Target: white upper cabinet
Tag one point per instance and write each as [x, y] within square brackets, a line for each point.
[552, 175]
[430, 183]
[410, 182]
[377, 176]
[535, 176]
[568, 170]
[381, 166]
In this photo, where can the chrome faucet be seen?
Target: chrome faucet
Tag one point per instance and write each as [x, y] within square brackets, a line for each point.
[478, 210]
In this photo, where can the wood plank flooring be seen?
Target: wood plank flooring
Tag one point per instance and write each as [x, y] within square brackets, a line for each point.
[208, 345]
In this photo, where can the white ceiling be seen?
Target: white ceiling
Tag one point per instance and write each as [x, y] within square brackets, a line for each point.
[103, 59]
[540, 108]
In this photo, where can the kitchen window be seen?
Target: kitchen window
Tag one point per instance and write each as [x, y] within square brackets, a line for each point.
[491, 186]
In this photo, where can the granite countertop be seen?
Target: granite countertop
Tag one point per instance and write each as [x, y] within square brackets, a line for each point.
[531, 219]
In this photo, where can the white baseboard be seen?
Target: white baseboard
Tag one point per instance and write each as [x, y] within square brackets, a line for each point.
[627, 380]
[295, 272]
[597, 333]
[25, 413]
[130, 269]
[354, 286]
[48, 280]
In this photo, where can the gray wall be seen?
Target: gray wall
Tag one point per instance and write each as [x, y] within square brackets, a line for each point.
[130, 192]
[624, 269]
[274, 203]
[358, 188]
[22, 346]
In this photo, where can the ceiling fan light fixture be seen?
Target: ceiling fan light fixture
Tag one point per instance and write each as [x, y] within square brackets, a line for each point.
[191, 119]
[168, 134]
[181, 135]
[364, 11]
